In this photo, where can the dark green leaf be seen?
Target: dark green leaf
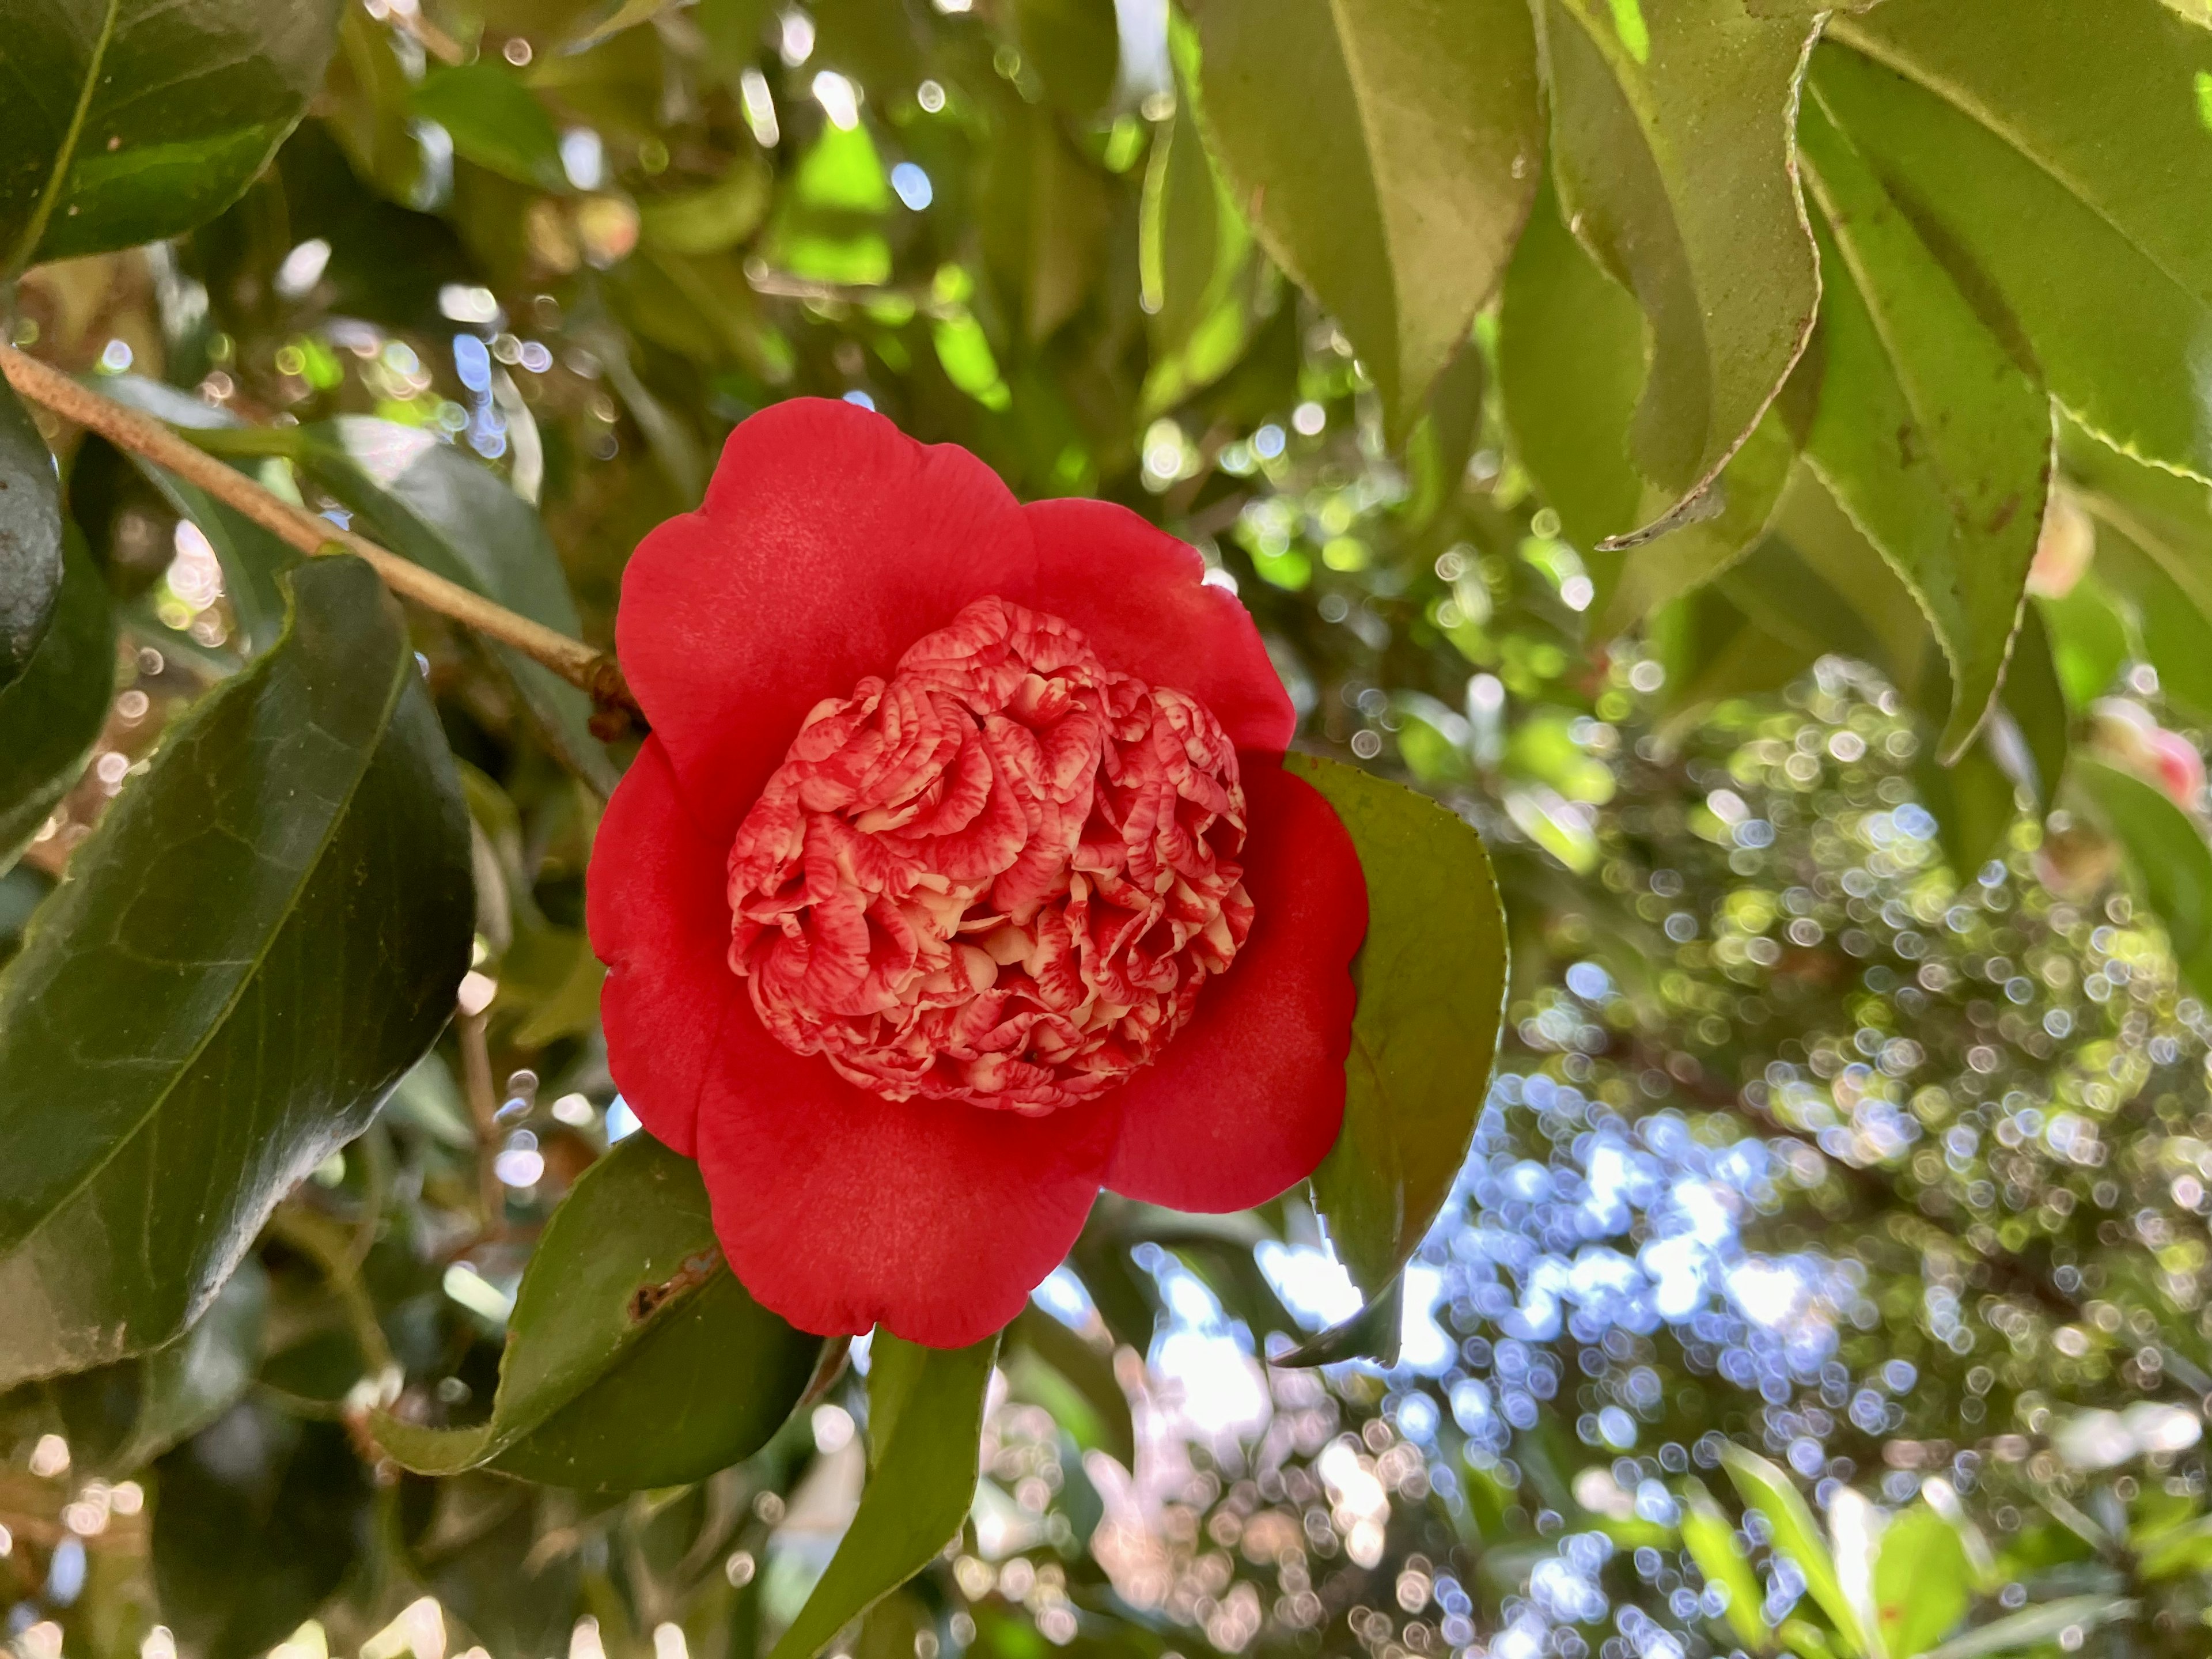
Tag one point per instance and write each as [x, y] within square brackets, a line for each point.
[130, 120]
[634, 1357]
[1921, 1582]
[1074, 47]
[265, 933]
[1671, 147]
[924, 1428]
[1374, 1333]
[2057, 154]
[30, 536]
[422, 498]
[1431, 978]
[1935, 441]
[2170, 866]
[120, 1417]
[261, 1516]
[51, 716]
[1089, 1372]
[495, 121]
[1387, 156]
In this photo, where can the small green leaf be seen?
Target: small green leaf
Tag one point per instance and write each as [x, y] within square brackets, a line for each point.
[263, 936]
[1431, 978]
[1796, 1534]
[925, 1429]
[1673, 153]
[1923, 1581]
[1387, 156]
[2172, 867]
[709, 220]
[1935, 441]
[51, 714]
[130, 120]
[495, 121]
[1710, 1537]
[2028, 1630]
[634, 1357]
[30, 537]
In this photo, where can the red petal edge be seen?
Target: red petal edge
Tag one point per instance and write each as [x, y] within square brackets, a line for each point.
[1248, 1099]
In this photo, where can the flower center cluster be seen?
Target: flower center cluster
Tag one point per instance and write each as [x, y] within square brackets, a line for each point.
[1002, 876]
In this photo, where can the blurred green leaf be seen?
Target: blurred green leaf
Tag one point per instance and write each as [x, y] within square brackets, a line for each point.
[1922, 1582]
[1075, 49]
[495, 121]
[1672, 150]
[1088, 1371]
[51, 715]
[1796, 1534]
[1044, 215]
[1192, 242]
[1431, 978]
[1387, 156]
[1937, 444]
[2028, 1630]
[1710, 1536]
[711, 219]
[2057, 154]
[925, 1426]
[634, 1357]
[30, 537]
[137, 120]
[263, 936]
[2170, 865]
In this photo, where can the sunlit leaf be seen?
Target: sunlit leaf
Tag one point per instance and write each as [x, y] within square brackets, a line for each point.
[1710, 1536]
[1796, 1534]
[2028, 1630]
[1921, 1582]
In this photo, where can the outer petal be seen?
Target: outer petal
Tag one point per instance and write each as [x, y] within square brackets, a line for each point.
[1138, 593]
[658, 918]
[839, 1209]
[828, 543]
[1249, 1097]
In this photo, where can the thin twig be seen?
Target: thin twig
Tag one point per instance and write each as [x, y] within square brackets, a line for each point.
[594, 671]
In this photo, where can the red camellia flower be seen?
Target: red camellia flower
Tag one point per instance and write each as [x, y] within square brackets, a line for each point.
[958, 878]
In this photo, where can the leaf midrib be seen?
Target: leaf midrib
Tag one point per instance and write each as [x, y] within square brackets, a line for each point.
[150, 1116]
[34, 232]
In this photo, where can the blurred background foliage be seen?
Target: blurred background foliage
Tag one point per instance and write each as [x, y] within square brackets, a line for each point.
[1852, 1118]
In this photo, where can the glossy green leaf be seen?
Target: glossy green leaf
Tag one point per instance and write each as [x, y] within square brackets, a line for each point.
[925, 1428]
[495, 121]
[1431, 978]
[121, 1417]
[1671, 148]
[634, 1357]
[51, 714]
[2168, 858]
[169, 1066]
[422, 498]
[130, 120]
[1923, 1581]
[30, 537]
[2030, 1630]
[1710, 1536]
[2059, 154]
[1385, 155]
[1796, 1534]
[1937, 443]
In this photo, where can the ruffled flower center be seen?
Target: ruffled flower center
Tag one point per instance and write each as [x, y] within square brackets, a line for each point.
[1002, 876]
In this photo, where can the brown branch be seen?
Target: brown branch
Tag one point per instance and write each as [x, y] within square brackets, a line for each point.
[591, 671]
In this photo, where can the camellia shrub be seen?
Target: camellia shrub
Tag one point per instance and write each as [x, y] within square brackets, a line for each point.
[885, 828]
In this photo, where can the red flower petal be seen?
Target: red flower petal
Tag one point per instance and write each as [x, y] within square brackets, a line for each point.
[828, 543]
[658, 917]
[1137, 592]
[1248, 1100]
[839, 1209]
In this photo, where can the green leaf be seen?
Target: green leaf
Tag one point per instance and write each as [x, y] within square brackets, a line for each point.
[1089, 1374]
[925, 1429]
[1045, 212]
[421, 497]
[709, 220]
[130, 120]
[1923, 1581]
[2170, 866]
[1710, 1537]
[1935, 441]
[52, 715]
[30, 537]
[2029, 1629]
[1671, 148]
[495, 121]
[1387, 156]
[1431, 979]
[1796, 1534]
[2057, 154]
[1074, 47]
[264, 935]
[121, 1417]
[634, 1357]
[1192, 243]
[2088, 640]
